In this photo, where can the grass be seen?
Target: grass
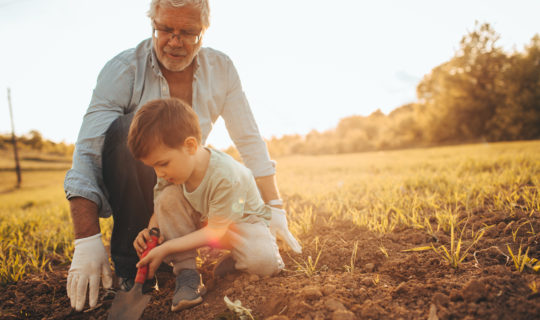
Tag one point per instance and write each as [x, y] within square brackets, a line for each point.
[383, 190]
[424, 189]
[309, 266]
[33, 160]
[455, 255]
[533, 286]
[35, 224]
[351, 267]
[523, 260]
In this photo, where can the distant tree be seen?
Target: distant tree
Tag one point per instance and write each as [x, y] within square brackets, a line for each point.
[462, 95]
[519, 116]
[403, 128]
[35, 140]
[284, 145]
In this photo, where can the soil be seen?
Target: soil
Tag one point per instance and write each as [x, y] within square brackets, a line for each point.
[399, 285]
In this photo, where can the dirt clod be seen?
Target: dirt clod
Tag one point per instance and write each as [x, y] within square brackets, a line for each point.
[440, 299]
[334, 304]
[279, 317]
[370, 267]
[229, 291]
[343, 315]
[253, 278]
[455, 295]
[311, 292]
[328, 289]
[473, 291]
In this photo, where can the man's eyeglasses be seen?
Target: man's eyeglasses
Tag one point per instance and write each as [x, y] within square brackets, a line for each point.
[186, 36]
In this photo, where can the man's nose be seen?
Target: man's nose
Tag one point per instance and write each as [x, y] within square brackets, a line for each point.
[176, 40]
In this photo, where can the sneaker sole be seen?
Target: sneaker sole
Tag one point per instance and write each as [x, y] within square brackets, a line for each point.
[186, 304]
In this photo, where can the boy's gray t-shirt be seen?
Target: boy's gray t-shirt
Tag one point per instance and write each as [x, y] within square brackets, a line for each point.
[228, 193]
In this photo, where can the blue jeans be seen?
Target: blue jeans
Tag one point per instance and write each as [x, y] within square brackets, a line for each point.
[129, 184]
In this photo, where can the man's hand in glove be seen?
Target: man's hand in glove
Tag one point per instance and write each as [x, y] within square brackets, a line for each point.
[280, 229]
[90, 263]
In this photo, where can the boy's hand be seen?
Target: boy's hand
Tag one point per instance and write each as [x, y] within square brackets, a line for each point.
[140, 242]
[153, 259]
[280, 229]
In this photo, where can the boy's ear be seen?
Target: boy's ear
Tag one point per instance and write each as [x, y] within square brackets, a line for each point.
[191, 144]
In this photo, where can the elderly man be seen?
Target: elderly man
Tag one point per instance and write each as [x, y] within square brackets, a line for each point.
[106, 180]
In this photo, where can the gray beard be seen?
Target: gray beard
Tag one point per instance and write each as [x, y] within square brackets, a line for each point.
[181, 67]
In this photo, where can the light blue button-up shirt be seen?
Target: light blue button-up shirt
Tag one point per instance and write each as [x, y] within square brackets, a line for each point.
[133, 78]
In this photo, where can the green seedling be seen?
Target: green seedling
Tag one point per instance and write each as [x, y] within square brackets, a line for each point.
[309, 267]
[533, 286]
[429, 228]
[523, 260]
[514, 232]
[383, 250]
[418, 249]
[350, 268]
[455, 255]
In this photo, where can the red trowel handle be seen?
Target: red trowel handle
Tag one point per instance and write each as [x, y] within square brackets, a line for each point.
[142, 272]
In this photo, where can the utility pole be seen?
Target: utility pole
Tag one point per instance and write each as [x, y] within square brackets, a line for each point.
[14, 141]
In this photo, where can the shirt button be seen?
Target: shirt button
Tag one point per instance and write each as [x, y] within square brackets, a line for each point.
[163, 89]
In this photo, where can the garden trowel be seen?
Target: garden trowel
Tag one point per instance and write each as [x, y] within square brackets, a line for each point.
[130, 304]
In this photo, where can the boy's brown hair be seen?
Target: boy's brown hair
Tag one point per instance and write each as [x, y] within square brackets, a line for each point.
[165, 121]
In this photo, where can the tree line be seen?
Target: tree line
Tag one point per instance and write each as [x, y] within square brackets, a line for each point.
[483, 93]
[33, 140]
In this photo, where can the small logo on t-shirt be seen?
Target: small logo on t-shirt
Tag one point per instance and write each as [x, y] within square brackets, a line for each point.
[238, 206]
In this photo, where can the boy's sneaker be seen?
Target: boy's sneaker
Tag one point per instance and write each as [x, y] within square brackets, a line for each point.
[189, 290]
[224, 266]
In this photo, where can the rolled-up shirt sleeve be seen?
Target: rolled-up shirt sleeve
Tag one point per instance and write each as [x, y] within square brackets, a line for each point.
[243, 129]
[109, 101]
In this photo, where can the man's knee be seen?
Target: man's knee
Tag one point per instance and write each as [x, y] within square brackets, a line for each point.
[119, 128]
[116, 135]
[115, 154]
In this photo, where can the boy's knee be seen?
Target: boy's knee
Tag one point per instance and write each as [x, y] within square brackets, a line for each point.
[168, 200]
[264, 263]
[174, 216]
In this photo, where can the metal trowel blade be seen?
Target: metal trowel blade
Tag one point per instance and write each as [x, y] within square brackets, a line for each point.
[129, 304]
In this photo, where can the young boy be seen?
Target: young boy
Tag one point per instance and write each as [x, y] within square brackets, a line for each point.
[198, 186]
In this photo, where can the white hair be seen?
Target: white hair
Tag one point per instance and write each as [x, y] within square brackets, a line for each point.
[199, 4]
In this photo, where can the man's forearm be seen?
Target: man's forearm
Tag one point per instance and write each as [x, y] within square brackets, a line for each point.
[268, 188]
[84, 214]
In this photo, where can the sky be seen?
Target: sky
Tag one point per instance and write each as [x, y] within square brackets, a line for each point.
[304, 64]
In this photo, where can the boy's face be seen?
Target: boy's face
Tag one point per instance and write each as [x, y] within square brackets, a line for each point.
[172, 164]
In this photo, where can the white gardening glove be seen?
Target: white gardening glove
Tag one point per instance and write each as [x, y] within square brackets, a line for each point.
[90, 262]
[280, 229]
